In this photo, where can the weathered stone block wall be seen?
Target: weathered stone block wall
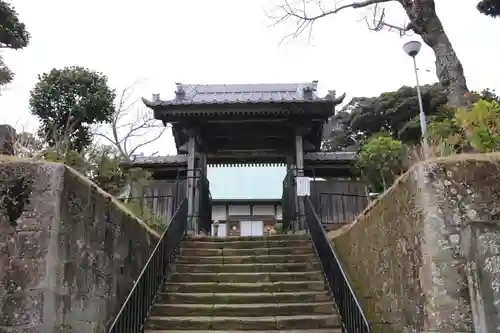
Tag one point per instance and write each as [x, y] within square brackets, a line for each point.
[426, 256]
[69, 253]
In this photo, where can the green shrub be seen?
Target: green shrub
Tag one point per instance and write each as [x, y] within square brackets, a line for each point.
[381, 160]
[482, 125]
[477, 128]
[73, 159]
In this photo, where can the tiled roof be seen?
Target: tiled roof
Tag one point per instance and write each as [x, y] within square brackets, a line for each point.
[317, 156]
[138, 160]
[206, 94]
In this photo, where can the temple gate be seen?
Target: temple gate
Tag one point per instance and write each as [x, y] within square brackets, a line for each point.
[256, 124]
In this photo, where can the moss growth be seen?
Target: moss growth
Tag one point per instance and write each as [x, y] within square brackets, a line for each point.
[383, 279]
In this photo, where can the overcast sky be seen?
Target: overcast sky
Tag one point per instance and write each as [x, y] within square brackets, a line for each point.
[160, 42]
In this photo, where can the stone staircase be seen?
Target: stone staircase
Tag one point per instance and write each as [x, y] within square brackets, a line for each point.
[260, 284]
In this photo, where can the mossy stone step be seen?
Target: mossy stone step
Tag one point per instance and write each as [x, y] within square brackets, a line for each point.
[244, 298]
[247, 252]
[308, 322]
[247, 310]
[245, 244]
[247, 277]
[243, 323]
[245, 284]
[271, 287]
[247, 259]
[261, 277]
[247, 238]
[328, 330]
[248, 268]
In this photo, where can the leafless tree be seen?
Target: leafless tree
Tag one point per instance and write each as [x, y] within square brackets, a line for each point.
[32, 145]
[422, 20]
[130, 122]
[27, 145]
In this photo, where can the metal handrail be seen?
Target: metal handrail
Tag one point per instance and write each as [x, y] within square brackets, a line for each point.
[137, 305]
[353, 317]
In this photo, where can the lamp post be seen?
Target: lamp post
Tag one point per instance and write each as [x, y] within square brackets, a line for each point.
[412, 48]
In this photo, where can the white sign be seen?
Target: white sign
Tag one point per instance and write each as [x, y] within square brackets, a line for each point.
[303, 186]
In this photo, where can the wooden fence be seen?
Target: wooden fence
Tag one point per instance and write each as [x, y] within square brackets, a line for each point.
[338, 201]
[159, 198]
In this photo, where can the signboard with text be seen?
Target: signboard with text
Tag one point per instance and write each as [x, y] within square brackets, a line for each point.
[303, 186]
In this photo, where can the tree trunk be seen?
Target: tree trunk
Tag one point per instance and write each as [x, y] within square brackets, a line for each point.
[449, 70]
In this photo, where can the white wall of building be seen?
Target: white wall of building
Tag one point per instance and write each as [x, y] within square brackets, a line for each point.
[263, 210]
[219, 212]
[239, 210]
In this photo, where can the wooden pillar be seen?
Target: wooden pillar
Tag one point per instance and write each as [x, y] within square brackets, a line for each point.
[200, 175]
[299, 160]
[197, 194]
[289, 162]
[192, 227]
[203, 163]
[291, 172]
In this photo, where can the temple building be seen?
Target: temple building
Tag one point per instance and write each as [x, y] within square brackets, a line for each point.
[259, 125]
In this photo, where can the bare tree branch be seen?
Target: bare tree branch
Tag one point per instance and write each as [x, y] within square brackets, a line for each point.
[378, 22]
[304, 16]
[128, 124]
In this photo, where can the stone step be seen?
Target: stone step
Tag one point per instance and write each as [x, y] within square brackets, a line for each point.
[247, 238]
[243, 323]
[247, 259]
[245, 244]
[270, 287]
[328, 330]
[244, 298]
[247, 277]
[247, 310]
[247, 252]
[248, 268]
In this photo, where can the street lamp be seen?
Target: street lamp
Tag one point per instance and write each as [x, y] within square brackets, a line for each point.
[412, 48]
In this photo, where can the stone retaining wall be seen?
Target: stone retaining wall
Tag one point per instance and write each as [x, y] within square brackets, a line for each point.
[69, 253]
[426, 256]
